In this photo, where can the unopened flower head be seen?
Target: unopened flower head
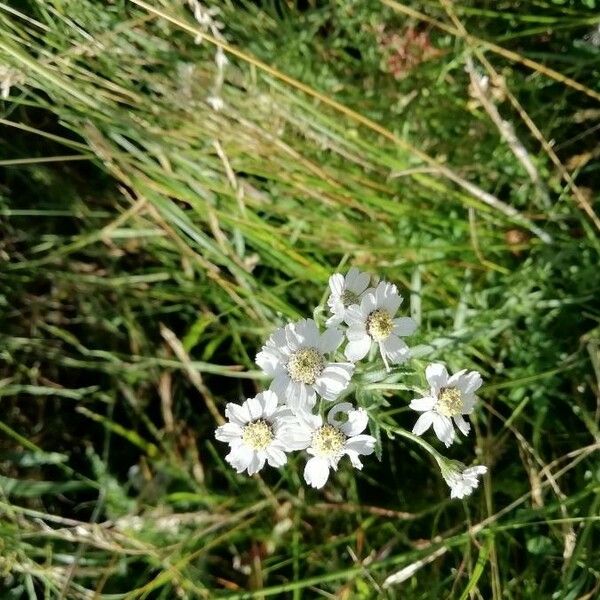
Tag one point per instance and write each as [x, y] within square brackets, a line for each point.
[329, 441]
[374, 321]
[258, 431]
[449, 399]
[461, 479]
[296, 356]
[345, 291]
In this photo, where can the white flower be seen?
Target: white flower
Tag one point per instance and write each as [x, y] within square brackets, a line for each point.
[373, 322]
[257, 431]
[345, 291]
[295, 356]
[461, 479]
[328, 442]
[449, 399]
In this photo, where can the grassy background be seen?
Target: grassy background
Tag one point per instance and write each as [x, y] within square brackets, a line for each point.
[149, 243]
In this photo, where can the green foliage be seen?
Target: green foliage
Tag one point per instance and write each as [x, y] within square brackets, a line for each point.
[150, 243]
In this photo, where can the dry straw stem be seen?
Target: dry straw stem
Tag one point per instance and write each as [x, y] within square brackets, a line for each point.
[193, 374]
[441, 169]
[506, 129]
[508, 54]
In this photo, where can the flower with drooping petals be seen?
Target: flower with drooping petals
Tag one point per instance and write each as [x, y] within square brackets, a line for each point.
[373, 322]
[449, 399]
[296, 357]
[461, 479]
[345, 291]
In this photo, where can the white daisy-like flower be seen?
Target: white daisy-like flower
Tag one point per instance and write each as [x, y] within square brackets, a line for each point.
[257, 431]
[296, 357]
[330, 441]
[345, 291]
[373, 322]
[461, 479]
[449, 399]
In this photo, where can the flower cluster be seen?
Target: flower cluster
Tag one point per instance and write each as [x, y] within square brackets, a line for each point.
[311, 374]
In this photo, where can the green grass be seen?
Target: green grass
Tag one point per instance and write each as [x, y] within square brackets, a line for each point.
[149, 244]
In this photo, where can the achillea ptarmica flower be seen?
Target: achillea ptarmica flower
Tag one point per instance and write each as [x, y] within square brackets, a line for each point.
[329, 442]
[296, 357]
[450, 398]
[257, 431]
[373, 322]
[461, 479]
[345, 291]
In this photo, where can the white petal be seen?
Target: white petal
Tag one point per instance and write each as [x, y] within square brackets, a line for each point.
[300, 396]
[357, 422]
[240, 457]
[330, 340]
[336, 318]
[228, 432]
[360, 283]
[368, 303]
[456, 380]
[257, 462]
[316, 471]
[387, 297]
[354, 459]
[423, 423]
[269, 401]
[470, 382]
[279, 385]
[443, 429]
[469, 401]
[358, 349]
[334, 380]
[255, 408]
[354, 317]
[275, 456]
[307, 329]
[395, 349]
[423, 404]
[342, 407]
[336, 283]
[462, 424]
[295, 437]
[437, 376]
[351, 276]
[362, 444]
[269, 360]
[293, 340]
[355, 333]
[237, 414]
[404, 326]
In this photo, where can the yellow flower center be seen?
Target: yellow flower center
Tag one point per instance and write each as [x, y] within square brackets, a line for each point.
[450, 402]
[306, 365]
[328, 441]
[380, 324]
[258, 434]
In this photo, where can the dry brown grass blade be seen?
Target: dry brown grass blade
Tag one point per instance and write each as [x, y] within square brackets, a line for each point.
[583, 202]
[508, 54]
[193, 375]
[441, 169]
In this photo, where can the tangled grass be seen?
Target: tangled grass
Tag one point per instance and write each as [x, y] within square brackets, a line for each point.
[164, 205]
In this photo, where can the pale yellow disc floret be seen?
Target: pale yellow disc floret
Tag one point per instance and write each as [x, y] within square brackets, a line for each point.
[380, 324]
[450, 403]
[258, 434]
[328, 441]
[306, 365]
